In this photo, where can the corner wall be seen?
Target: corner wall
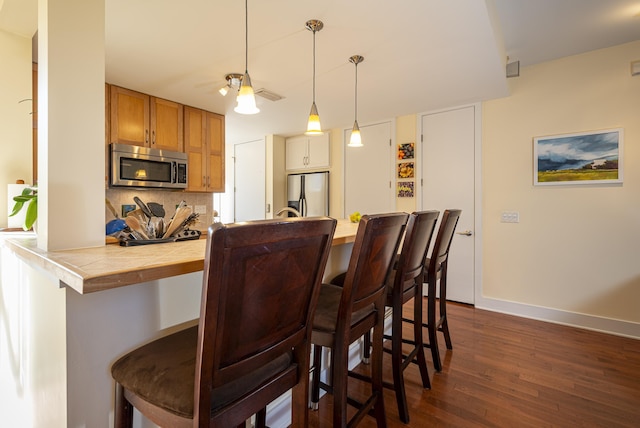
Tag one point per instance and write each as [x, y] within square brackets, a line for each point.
[15, 120]
[573, 257]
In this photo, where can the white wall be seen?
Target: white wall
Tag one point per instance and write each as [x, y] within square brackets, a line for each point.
[574, 255]
[15, 120]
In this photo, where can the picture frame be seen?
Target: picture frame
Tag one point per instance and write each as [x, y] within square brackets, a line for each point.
[405, 170]
[406, 151]
[406, 189]
[591, 157]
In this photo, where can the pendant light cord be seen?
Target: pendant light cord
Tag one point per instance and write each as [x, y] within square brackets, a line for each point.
[314, 66]
[246, 36]
[356, 93]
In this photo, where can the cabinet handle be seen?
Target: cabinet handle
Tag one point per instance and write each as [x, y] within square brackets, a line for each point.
[146, 136]
[208, 180]
[204, 180]
[153, 138]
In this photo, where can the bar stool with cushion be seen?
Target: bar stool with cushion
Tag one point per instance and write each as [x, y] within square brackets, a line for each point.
[405, 284]
[436, 277]
[260, 288]
[344, 314]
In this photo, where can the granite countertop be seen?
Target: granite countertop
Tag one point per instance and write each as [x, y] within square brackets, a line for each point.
[88, 270]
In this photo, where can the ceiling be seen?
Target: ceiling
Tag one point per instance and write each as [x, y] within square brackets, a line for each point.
[420, 55]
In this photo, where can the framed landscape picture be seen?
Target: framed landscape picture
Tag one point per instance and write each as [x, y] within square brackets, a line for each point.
[593, 157]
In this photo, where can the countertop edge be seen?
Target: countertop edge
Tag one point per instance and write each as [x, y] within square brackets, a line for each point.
[89, 270]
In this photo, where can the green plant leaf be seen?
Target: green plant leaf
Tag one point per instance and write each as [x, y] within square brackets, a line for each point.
[32, 214]
[16, 208]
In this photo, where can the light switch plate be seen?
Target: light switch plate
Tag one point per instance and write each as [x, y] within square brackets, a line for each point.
[510, 217]
[200, 209]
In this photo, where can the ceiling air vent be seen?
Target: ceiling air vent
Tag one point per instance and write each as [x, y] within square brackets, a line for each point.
[268, 95]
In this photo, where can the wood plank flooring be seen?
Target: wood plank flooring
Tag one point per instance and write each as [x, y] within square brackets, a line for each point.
[506, 371]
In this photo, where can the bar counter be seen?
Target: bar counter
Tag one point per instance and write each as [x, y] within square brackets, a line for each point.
[80, 310]
[89, 270]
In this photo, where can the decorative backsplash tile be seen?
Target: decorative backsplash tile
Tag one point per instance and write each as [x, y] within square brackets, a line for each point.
[199, 202]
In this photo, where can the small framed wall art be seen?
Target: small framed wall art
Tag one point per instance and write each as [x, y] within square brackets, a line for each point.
[593, 157]
[406, 170]
[405, 189]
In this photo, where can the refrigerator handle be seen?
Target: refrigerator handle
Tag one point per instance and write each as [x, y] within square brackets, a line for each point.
[303, 198]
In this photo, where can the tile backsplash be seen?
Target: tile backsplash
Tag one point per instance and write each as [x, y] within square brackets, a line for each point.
[167, 198]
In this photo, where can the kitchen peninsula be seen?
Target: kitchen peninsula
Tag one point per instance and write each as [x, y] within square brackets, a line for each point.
[83, 308]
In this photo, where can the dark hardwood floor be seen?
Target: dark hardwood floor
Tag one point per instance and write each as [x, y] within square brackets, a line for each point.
[506, 371]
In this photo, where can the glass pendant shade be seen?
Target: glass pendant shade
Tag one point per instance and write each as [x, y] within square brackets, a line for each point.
[246, 98]
[313, 126]
[356, 138]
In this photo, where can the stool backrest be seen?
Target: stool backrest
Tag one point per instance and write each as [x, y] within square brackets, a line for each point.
[415, 247]
[260, 288]
[440, 252]
[374, 250]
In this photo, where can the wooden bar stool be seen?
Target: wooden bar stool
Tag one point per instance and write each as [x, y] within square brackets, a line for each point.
[436, 278]
[405, 284]
[344, 314]
[252, 344]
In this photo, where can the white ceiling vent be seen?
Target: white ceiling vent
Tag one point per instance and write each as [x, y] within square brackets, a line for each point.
[268, 95]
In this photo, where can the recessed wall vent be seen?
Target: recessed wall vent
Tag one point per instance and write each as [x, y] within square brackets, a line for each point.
[268, 95]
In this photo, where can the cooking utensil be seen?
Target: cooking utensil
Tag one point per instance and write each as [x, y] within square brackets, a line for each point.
[139, 215]
[182, 213]
[145, 209]
[135, 226]
[111, 208]
[156, 209]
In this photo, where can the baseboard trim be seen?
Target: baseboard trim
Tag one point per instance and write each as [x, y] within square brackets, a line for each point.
[573, 319]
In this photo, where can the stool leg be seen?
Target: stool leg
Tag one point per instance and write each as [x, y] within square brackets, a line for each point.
[376, 371]
[366, 351]
[315, 377]
[417, 336]
[397, 361]
[444, 326]
[261, 418]
[123, 409]
[432, 326]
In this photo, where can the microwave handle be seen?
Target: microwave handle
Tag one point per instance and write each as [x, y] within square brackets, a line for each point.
[174, 172]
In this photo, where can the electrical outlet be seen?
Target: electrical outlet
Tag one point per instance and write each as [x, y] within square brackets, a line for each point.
[510, 217]
[200, 209]
[127, 208]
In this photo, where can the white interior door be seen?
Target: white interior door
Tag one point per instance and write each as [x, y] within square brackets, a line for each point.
[368, 175]
[249, 179]
[448, 181]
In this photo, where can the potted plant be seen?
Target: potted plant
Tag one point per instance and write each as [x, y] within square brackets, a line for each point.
[28, 200]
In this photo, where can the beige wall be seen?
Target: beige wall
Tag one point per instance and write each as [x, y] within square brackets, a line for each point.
[576, 248]
[15, 120]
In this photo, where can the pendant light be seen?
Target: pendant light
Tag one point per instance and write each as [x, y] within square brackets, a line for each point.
[246, 98]
[356, 139]
[313, 126]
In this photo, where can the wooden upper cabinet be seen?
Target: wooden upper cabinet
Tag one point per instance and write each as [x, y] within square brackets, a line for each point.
[129, 117]
[166, 125]
[204, 145]
[215, 146]
[141, 120]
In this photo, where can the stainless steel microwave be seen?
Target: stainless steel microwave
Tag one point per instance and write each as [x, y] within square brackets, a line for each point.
[135, 166]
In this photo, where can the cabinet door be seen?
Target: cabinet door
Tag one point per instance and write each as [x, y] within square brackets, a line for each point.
[166, 125]
[215, 152]
[296, 152]
[129, 117]
[318, 151]
[195, 147]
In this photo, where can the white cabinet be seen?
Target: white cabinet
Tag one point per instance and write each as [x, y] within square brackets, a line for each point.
[305, 152]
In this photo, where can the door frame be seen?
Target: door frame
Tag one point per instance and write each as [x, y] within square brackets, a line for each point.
[477, 193]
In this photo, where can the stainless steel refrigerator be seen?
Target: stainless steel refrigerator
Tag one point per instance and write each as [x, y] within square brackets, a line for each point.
[308, 193]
